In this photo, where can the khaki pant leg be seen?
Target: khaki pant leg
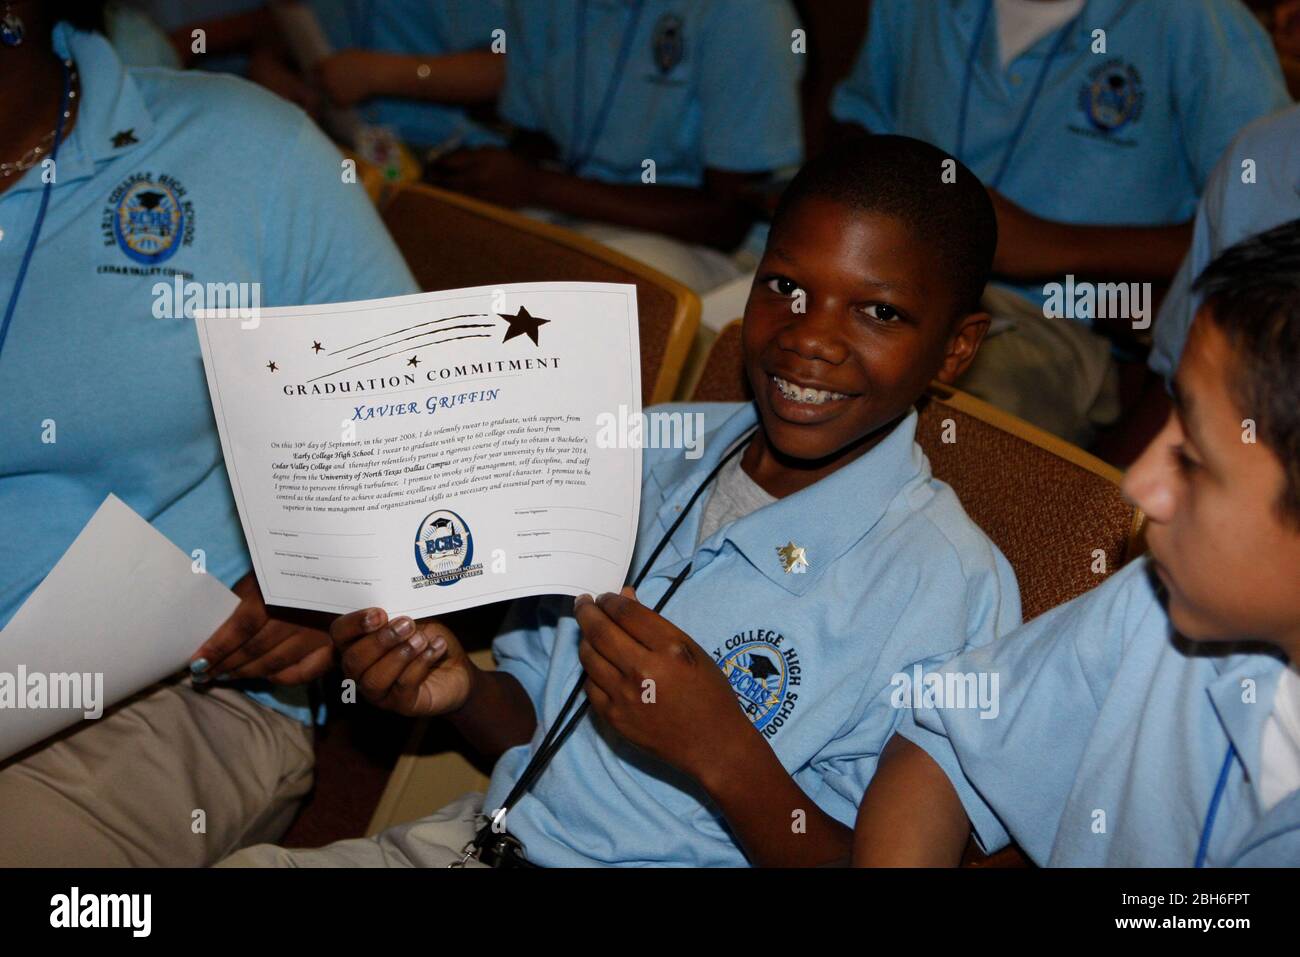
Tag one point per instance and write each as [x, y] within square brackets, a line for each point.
[121, 791]
[1053, 372]
[434, 841]
[700, 268]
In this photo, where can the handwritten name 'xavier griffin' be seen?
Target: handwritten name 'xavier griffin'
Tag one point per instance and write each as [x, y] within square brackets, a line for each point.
[431, 405]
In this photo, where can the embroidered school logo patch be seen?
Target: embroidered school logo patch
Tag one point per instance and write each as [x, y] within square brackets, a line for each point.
[149, 218]
[1112, 98]
[669, 43]
[763, 670]
[444, 550]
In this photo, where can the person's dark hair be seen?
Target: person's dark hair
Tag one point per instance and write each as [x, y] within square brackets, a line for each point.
[934, 194]
[1252, 293]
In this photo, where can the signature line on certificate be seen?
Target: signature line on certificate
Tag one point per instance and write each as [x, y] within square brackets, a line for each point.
[584, 531]
[301, 554]
[584, 508]
[560, 551]
[286, 531]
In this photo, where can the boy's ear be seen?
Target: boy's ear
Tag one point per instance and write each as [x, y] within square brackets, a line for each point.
[963, 343]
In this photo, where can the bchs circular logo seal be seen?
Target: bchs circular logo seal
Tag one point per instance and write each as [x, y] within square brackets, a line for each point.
[149, 221]
[444, 549]
[1112, 97]
[669, 42]
[757, 673]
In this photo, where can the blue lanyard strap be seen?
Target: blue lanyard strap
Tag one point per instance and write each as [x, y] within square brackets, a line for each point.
[968, 80]
[559, 731]
[40, 213]
[1213, 812]
[583, 148]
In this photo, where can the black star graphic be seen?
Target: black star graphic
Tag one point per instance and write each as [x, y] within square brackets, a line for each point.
[316, 347]
[413, 361]
[523, 324]
[272, 366]
[124, 138]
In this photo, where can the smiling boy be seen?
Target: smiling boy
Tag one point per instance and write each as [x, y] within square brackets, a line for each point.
[1154, 721]
[818, 560]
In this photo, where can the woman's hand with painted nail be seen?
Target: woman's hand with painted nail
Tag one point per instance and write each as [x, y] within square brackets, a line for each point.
[285, 646]
[413, 668]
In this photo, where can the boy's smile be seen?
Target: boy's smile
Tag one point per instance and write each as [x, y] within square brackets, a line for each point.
[847, 323]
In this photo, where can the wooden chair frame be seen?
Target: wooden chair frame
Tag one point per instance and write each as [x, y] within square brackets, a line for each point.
[686, 318]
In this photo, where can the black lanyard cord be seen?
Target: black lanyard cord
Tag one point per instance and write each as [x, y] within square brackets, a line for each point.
[559, 730]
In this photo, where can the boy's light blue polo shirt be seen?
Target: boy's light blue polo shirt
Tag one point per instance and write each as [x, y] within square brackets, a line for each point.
[1124, 137]
[706, 84]
[239, 187]
[416, 27]
[1110, 740]
[1232, 210]
[897, 574]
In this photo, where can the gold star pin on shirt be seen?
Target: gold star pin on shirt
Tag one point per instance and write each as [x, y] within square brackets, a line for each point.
[793, 559]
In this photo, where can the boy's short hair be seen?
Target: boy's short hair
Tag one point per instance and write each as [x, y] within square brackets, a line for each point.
[1252, 293]
[934, 194]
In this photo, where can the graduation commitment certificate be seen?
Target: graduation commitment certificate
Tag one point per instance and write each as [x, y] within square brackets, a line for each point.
[432, 452]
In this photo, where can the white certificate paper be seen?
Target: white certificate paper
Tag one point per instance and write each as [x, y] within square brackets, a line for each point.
[122, 609]
[432, 452]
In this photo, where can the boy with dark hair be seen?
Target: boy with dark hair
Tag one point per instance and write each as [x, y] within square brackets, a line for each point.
[1156, 720]
[809, 556]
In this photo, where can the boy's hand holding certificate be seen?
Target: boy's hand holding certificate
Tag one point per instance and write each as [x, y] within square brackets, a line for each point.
[428, 453]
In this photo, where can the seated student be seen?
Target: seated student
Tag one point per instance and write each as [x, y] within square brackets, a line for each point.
[1096, 146]
[414, 66]
[1255, 186]
[654, 118]
[231, 30]
[824, 561]
[159, 175]
[1154, 721]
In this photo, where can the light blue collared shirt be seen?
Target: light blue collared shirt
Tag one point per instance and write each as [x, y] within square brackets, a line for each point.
[897, 574]
[1110, 740]
[417, 27]
[1128, 136]
[709, 84]
[170, 16]
[1230, 211]
[164, 172]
